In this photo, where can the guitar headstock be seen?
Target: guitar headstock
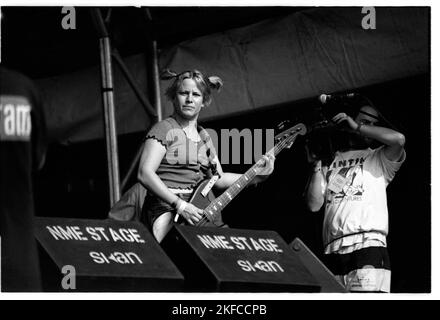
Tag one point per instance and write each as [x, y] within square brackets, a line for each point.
[288, 136]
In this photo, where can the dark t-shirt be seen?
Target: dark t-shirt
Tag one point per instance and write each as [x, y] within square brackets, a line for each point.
[22, 145]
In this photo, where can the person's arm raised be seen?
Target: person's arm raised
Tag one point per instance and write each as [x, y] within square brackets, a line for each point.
[394, 141]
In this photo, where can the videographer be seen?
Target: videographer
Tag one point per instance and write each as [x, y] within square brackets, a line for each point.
[352, 185]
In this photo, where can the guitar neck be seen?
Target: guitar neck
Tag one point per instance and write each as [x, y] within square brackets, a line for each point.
[222, 201]
[284, 139]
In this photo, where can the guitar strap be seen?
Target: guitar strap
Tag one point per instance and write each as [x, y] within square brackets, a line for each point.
[210, 151]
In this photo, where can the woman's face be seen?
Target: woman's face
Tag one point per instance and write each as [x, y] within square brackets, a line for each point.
[189, 100]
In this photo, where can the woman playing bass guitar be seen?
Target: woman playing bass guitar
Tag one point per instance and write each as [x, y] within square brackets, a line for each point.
[177, 155]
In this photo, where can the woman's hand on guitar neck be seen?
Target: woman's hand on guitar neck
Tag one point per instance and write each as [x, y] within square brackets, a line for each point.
[266, 168]
[190, 212]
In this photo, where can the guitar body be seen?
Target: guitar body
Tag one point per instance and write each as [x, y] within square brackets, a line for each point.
[201, 202]
[198, 199]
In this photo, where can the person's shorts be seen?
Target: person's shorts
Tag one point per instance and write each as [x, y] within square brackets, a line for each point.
[154, 207]
[364, 270]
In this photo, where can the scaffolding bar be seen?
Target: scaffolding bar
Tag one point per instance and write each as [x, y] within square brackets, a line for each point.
[144, 101]
[157, 101]
[109, 109]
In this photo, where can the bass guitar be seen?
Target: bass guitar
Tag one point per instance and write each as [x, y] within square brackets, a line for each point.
[212, 206]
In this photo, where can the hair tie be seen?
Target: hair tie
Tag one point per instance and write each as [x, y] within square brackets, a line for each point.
[167, 74]
[215, 82]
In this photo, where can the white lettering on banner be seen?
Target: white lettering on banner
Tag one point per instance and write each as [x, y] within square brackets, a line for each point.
[101, 231]
[115, 257]
[125, 235]
[269, 245]
[256, 245]
[95, 234]
[66, 233]
[260, 265]
[15, 121]
[129, 236]
[240, 243]
[215, 242]
[116, 237]
[131, 255]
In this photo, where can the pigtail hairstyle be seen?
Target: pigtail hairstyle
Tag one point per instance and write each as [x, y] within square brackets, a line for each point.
[205, 84]
[215, 83]
[168, 74]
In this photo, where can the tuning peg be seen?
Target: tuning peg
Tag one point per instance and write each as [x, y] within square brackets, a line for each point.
[282, 124]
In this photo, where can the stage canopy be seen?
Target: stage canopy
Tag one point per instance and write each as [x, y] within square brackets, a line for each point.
[273, 62]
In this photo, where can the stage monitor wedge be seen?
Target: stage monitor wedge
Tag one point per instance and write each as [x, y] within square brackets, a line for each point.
[319, 271]
[103, 256]
[236, 260]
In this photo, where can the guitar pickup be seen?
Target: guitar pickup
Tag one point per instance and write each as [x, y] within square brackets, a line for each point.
[209, 185]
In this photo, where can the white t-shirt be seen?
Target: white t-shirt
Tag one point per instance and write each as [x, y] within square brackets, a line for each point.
[356, 212]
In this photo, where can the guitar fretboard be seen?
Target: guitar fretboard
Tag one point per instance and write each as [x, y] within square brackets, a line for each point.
[215, 207]
[222, 201]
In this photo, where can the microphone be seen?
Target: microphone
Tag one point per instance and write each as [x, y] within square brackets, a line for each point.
[326, 98]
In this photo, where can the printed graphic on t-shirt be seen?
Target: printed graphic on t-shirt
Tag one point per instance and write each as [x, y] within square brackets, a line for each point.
[345, 180]
[15, 118]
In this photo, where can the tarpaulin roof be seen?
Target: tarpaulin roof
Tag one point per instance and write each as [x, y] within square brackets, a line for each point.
[276, 61]
[74, 109]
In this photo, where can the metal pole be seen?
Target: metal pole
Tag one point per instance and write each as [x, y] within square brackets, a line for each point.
[109, 119]
[154, 112]
[157, 101]
[154, 64]
[132, 82]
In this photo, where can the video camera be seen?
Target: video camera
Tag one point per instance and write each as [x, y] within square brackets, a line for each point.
[324, 136]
